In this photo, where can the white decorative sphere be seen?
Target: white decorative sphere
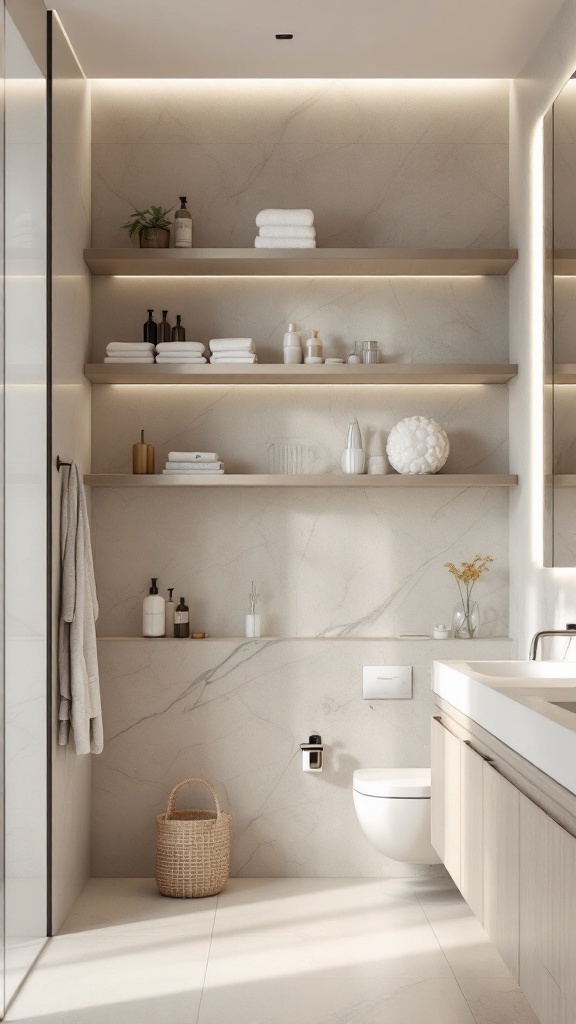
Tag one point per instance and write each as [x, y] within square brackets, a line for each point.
[417, 445]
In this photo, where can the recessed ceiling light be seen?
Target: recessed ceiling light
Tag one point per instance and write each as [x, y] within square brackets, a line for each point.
[284, 35]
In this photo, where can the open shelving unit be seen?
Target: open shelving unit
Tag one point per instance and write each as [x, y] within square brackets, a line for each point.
[278, 373]
[132, 262]
[391, 480]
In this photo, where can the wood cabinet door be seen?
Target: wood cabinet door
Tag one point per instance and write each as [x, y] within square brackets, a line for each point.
[501, 864]
[471, 829]
[445, 797]
[547, 916]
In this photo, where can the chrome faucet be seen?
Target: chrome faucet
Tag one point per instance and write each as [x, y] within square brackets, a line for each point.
[569, 631]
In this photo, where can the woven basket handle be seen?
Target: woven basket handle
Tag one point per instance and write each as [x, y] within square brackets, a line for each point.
[186, 782]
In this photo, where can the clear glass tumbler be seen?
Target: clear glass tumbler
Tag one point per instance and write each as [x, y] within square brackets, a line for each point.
[370, 352]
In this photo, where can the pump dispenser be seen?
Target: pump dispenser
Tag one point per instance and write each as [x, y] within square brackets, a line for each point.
[170, 609]
[154, 612]
[183, 226]
[182, 621]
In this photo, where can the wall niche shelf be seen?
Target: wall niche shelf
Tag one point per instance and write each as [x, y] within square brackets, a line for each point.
[391, 480]
[564, 373]
[134, 262]
[278, 373]
[565, 263]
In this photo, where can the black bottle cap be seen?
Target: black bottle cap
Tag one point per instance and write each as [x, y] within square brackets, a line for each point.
[154, 588]
[164, 313]
[315, 738]
[182, 600]
[170, 592]
[178, 319]
[183, 200]
[150, 311]
[571, 625]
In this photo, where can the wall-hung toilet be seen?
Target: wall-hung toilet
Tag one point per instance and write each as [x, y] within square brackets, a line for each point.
[393, 808]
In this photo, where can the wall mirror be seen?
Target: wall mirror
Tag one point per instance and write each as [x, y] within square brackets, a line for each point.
[560, 328]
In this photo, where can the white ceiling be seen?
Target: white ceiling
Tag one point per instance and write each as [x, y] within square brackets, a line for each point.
[332, 38]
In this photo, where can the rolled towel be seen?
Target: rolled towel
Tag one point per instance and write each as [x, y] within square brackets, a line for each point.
[232, 357]
[126, 362]
[183, 359]
[129, 346]
[286, 231]
[231, 345]
[302, 218]
[284, 243]
[193, 467]
[195, 347]
[193, 457]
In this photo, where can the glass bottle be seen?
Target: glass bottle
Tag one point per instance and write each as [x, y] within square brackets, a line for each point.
[164, 329]
[150, 330]
[183, 226]
[182, 621]
[178, 332]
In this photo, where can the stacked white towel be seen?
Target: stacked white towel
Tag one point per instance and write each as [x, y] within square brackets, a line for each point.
[129, 352]
[285, 229]
[193, 464]
[232, 350]
[188, 352]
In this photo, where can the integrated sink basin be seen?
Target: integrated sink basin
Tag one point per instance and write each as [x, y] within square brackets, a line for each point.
[529, 705]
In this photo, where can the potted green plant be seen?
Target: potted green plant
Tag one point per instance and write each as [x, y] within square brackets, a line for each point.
[151, 225]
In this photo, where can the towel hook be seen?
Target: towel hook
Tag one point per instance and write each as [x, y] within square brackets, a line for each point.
[59, 463]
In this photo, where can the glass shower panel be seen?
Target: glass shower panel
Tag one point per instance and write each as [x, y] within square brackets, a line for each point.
[26, 377]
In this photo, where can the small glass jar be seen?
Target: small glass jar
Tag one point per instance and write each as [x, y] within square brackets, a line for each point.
[370, 352]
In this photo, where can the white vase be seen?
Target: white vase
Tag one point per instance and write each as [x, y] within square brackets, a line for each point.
[354, 461]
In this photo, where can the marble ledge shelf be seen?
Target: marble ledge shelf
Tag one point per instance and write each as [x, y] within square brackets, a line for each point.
[306, 480]
[356, 639]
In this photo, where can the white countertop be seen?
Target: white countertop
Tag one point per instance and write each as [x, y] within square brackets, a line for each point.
[511, 700]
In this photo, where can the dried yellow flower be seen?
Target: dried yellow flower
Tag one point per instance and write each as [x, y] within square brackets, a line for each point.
[470, 572]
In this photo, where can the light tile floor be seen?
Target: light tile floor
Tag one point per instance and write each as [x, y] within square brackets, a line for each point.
[272, 951]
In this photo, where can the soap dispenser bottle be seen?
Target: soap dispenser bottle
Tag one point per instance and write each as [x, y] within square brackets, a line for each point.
[292, 345]
[164, 329]
[154, 612]
[150, 330]
[182, 621]
[183, 226]
[170, 609]
[314, 349]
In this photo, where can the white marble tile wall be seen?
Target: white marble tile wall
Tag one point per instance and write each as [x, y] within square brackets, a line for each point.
[380, 163]
[235, 713]
[417, 320]
[71, 783]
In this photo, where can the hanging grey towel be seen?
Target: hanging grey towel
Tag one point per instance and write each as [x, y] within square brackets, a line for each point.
[79, 683]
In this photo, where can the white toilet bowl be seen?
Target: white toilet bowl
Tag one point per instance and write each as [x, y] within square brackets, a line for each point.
[393, 808]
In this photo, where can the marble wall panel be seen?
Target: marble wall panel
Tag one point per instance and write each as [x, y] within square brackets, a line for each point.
[424, 320]
[235, 713]
[389, 164]
[326, 562]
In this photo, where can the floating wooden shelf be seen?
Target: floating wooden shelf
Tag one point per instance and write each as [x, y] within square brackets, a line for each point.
[278, 373]
[303, 480]
[299, 262]
[565, 263]
[563, 480]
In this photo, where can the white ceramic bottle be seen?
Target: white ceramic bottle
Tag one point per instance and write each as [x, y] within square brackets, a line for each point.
[292, 345]
[154, 612]
[314, 349]
[354, 456]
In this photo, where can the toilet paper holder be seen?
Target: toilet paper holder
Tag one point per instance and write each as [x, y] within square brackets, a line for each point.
[312, 753]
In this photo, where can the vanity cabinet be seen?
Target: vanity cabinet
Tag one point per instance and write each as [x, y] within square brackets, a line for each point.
[513, 863]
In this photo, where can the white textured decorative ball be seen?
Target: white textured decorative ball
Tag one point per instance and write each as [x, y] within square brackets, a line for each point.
[417, 445]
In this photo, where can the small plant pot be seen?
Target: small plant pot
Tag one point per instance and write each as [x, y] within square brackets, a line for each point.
[154, 238]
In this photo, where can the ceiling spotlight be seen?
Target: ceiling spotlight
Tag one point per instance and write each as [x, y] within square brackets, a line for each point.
[284, 35]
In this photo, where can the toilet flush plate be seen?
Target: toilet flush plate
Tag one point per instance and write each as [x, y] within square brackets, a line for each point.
[387, 682]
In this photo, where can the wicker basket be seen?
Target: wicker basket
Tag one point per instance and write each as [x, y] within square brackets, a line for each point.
[192, 848]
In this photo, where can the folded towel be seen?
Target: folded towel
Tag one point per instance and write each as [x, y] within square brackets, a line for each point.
[181, 346]
[193, 457]
[132, 359]
[183, 359]
[192, 467]
[129, 346]
[185, 467]
[303, 218]
[232, 357]
[192, 472]
[231, 345]
[284, 243]
[286, 231]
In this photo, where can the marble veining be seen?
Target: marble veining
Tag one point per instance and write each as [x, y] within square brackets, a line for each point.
[235, 712]
[388, 165]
